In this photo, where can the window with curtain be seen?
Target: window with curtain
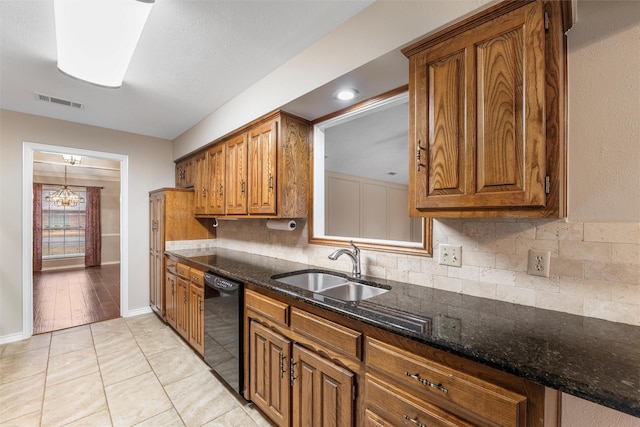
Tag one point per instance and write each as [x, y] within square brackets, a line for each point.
[63, 228]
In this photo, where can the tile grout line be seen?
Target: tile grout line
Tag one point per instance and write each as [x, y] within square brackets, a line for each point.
[173, 406]
[46, 374]
[104, 391]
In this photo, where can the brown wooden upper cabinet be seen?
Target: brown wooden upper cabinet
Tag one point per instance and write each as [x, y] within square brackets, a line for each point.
[262, 170]
[184, 173]
[487, 115]
[236, 179]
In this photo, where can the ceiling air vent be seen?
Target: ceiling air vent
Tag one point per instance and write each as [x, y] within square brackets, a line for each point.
[60, 101]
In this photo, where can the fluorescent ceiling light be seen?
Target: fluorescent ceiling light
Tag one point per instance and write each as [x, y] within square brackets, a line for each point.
[96, 38]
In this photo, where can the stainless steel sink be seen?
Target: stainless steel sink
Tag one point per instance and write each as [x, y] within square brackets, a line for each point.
[352, 291]
[312, 281]
[330, 285]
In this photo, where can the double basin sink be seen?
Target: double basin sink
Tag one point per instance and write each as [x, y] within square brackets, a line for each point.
[329, 285]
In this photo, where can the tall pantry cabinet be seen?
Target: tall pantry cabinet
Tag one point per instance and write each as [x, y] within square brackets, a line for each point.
[170, 218]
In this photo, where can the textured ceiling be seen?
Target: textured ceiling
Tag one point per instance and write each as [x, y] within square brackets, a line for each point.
[193, 57]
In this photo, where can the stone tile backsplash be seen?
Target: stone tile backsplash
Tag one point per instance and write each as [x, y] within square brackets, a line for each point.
[595, 267]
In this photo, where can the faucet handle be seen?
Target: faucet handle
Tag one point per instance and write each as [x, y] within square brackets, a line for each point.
[355, 248]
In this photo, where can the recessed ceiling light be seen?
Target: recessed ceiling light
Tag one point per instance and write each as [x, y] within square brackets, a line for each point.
[346, 94]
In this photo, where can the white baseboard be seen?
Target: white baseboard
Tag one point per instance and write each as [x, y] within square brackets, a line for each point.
[5, 339]
[138, 311]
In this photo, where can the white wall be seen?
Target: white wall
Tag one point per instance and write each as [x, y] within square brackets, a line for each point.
[604, 112]
[150, 167]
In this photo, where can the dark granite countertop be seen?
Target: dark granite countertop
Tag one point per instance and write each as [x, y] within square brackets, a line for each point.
[590, 358]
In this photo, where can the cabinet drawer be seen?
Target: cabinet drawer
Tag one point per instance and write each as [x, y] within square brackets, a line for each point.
[394, 406]
[270, 308]
[197, 277]
[327, 333]
[182, 270]
[172, 266]
[494, 403]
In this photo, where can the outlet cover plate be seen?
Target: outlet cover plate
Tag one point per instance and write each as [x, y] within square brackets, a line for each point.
[539, 263]
[450, 255]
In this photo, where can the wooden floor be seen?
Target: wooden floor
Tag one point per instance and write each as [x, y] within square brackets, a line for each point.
[63, 299]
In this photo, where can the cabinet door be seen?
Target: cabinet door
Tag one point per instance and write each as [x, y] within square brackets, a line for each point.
[269, 373]
[236, 163]
[216, 176]
[196, 318]
[201, 181]
[262, 154]
[156, 249]
[322, 391]
[170, 299]
[182, 307]
[184, 173]
[477, 115]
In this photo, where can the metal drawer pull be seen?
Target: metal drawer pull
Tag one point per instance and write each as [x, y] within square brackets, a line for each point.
[415, 420]
[427, 382]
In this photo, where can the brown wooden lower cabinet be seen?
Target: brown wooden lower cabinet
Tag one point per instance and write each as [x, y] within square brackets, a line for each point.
[270, 355]
[315, 368]
[182, 307]
[196, 317]
[322, 391]
[185, 304]
[170, 299]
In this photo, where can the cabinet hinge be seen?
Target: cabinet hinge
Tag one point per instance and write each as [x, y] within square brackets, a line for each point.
[546, 21]
[547, 184]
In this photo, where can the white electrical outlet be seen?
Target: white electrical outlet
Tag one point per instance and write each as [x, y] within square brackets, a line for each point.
[539, 263]
[450, 255]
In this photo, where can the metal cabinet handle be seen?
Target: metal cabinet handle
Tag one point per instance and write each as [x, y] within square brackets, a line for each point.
[415, 420]
[220, 193]
[270, 181]
[283, 368]
[185, 296]
[200, 305]
[242, 187]
[427, 382]
[419, 156]
[204, 193]
[292, 375]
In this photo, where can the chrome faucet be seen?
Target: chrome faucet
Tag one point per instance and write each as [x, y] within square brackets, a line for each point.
[355, 257]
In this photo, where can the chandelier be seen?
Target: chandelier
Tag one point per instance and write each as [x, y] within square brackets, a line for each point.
[64, 196]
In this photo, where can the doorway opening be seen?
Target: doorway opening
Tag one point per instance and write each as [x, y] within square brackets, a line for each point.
[84, 295]
[68, 289]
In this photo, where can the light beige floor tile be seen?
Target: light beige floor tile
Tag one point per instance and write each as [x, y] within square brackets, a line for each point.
[234, 418]
[158, 341]
[68, 366]
[99, 419]
[25, 364]
[174, 365]
[199, 400]
[168, 418]
[75, 339]
[122, 365]
[145, 324]
[32, 419]
[256, 415]
[114, 325]
[73, 329]
[21, 397]
[72, 400]
[36, 341]
[136, 399]
[110, 342]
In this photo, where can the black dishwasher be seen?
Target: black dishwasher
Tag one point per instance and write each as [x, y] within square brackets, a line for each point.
[223, 329]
